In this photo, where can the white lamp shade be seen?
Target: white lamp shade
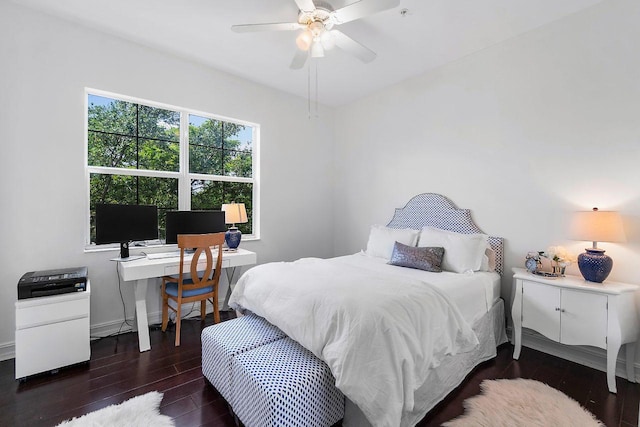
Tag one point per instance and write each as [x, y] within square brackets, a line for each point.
[328, 41]
[317, 51]
[597, 226]
[304, 40]
[234, 213]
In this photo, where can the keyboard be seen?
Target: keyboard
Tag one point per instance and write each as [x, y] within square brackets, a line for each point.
[161, 255]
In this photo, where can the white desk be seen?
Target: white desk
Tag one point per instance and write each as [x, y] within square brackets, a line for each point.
[141, 270]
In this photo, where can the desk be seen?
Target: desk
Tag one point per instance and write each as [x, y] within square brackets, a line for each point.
[141, 270]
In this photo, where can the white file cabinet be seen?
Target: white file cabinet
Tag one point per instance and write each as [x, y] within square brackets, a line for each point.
[52, 332]
[572, 311]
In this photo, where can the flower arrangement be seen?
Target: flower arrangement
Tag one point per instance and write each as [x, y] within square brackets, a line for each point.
[559, 255]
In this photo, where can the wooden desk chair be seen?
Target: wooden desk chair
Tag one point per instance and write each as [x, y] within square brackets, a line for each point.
[194, 285]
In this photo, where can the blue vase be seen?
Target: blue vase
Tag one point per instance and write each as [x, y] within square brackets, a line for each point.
[594, 265]
[232, 238]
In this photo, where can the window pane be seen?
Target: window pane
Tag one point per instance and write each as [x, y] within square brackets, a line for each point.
[159, 124]
[112, 150]
[133, 190]
[159, 155]
[219, 148]
[213, 194]
[237, 163]
[112, 116]
[205, 145]
[204, 159]
[205, 132]
[238, 141]
[133, 136]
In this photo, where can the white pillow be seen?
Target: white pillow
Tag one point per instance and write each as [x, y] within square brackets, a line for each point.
[462, 252]
[382, 239]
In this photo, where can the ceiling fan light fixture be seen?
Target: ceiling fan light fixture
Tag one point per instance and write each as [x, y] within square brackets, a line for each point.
[304, 40]
[317, 18]
[316, 28]
[317, 51]
[328, 41]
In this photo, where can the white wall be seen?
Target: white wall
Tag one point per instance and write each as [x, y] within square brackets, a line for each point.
[45, 65]
[523, 133]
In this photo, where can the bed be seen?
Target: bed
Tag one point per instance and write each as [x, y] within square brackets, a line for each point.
[397, 339]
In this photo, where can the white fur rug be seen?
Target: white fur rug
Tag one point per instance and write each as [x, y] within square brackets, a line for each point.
[139, 411]
[520, 402]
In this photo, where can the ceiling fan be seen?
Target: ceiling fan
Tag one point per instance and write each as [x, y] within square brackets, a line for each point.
[317, 20]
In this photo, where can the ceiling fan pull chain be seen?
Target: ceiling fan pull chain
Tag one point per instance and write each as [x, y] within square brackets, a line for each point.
[309, 91]
[316, 97]
[312, 94]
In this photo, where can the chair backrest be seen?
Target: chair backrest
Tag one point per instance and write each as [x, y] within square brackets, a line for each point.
[202, 243]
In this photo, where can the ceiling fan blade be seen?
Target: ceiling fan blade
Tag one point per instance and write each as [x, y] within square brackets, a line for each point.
[299, 59]
[361, 9]
[351, 46]
[306, 5]
[282, 26]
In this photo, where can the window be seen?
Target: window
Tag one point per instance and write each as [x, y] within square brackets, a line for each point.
[141, 152]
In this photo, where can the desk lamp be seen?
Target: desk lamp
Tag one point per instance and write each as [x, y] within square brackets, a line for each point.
[234, 213]
[596, 226]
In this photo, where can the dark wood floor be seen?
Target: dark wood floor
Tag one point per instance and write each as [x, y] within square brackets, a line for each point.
[117, 371]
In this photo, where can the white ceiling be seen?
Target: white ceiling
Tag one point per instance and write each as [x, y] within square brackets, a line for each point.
[433, 33]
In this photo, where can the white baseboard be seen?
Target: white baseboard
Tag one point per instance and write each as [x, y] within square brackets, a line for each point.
[592, 357]
[7, 350]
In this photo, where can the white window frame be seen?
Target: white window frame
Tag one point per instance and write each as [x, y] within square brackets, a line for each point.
[183, 175]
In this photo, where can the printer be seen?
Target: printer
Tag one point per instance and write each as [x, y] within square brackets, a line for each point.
[52, 282]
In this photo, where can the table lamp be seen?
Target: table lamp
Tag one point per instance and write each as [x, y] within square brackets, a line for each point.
[596, 226]
[234, 213]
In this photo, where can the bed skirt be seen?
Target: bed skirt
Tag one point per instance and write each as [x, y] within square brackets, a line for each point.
[491, 332]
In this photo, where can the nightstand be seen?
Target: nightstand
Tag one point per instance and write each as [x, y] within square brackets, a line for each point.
[572, 311]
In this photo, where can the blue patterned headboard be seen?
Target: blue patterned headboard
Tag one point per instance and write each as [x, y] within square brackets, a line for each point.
[435, 210]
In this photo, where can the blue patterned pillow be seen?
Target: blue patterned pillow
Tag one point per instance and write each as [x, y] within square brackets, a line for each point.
[425, 258]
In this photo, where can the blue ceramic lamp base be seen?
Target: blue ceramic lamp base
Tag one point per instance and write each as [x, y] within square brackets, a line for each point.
[594, 265]
[232, 238]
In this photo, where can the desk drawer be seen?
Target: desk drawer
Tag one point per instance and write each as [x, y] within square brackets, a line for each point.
[175, 269]
[52, 346]
[38, 315]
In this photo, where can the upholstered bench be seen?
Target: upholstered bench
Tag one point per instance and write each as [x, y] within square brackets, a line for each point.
[284, 384]
[222, 341]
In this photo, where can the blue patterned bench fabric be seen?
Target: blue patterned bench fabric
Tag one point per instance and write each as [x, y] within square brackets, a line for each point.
[284, 384]
[223, 341]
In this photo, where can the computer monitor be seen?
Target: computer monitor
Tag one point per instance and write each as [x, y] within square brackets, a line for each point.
[125, 223]
[193, 222]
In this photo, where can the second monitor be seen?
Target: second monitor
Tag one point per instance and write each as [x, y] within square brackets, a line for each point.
[193, 222]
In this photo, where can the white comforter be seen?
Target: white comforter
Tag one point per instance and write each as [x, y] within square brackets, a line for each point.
[379, 332]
